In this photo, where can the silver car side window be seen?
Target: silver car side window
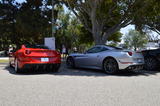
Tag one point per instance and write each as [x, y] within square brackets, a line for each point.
[96, 50]
[104, 49]
[92, 50]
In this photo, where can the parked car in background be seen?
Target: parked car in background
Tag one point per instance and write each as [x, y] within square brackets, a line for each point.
[152, 59]
[3, 53]
[110, 59]
[34, 57]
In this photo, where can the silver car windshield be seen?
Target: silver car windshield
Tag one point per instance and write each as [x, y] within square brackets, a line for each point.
[97, 49]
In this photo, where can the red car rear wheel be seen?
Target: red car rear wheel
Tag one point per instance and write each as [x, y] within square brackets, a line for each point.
[16, 67]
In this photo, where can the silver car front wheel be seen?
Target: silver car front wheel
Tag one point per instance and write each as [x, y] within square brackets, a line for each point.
[110, 66]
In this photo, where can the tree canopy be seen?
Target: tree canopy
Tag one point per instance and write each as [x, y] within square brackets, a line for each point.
[149, 18]
[93, 22]
[29, 22]
[71, 33]
[103, 18]
[135, 40]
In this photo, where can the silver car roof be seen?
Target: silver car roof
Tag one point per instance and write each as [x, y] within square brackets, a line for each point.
[105, 46]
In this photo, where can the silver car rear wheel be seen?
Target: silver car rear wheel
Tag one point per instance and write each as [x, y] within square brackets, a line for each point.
[70, 62]
[110, 66]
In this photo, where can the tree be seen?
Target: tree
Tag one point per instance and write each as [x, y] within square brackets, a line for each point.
[63, 21]
[103, 18]
[8, 11]
[71, 33]
[29, 21]
[33, 22]
[135, 40]
[149, 18]
[54, 16]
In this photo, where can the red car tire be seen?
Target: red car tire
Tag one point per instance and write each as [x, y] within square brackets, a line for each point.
[16, 67]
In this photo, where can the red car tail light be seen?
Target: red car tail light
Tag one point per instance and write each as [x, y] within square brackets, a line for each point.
[130, 53]
[27, 52]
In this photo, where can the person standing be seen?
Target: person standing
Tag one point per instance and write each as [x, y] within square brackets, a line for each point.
[64, 52]
[75, 50]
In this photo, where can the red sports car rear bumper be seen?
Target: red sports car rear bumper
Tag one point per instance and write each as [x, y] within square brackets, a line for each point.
[37, 61]
[41, 66]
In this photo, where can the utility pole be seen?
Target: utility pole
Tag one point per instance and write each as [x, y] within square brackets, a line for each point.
[53, 20]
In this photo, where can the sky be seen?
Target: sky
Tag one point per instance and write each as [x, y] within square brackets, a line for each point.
[125, 30]
[20, 1]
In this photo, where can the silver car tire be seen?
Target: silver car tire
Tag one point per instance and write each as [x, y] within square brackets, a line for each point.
[110, 66]
[70, 62]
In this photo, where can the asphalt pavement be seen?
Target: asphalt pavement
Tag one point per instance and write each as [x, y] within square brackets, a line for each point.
[78, 87]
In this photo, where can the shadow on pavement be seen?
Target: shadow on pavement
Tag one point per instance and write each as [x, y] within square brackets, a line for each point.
[93, 72]
[64, 71]
[28, 72]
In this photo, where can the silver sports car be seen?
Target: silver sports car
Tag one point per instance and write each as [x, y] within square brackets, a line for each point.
[110, 59]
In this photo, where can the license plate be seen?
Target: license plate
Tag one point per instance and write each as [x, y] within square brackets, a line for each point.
[44, 59]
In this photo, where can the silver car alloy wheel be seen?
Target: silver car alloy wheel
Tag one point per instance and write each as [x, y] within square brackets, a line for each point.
[110, 66]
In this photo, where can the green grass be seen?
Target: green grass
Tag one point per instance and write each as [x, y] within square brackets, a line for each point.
[4, 61]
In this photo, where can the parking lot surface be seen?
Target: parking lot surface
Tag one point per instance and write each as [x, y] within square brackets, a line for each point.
[78, 87]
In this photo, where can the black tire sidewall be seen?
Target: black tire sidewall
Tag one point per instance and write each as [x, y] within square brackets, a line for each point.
[72, 61]
[153, 64]
[18, 69]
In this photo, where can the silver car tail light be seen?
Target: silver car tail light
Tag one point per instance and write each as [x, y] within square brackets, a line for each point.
[130, 53]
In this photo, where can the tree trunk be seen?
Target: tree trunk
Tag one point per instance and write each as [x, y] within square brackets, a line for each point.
[98, 39]
[96, 26]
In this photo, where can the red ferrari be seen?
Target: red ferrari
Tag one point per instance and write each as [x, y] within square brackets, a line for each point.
[34, 57]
